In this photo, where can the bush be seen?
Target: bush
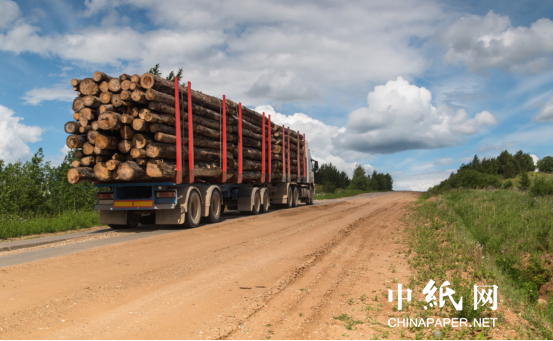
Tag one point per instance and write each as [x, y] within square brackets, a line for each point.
[329, 187]
[542, 186]
[507, 184]
[546, 164]
[467, 178]
[525, 182]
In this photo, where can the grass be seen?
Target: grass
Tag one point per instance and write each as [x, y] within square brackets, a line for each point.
[481, 237]
[15, 226]
[340, 193]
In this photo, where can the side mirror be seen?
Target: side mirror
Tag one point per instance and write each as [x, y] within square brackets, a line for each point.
[316, 166]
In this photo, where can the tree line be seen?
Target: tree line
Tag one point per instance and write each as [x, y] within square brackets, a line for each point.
[329, 178]
[35, 188]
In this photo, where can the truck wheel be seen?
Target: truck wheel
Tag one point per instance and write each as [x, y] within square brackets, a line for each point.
[133, 219]
[256, 204]
[265, 206]
[296, 197]
[194, 212]
[310, 199]
[289, 198]
[215, 208]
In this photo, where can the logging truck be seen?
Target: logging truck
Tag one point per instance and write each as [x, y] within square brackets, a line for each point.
[166, 179]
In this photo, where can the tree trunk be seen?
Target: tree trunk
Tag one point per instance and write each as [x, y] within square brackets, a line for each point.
[156, 127]
[138, 153]
[87, 113]
[106, 107]
[78, 154]
[72, 127]
[157, 168]
[162, 107]
[114, 85]
[75, 141]
[105, 97]
[76, 163]
[75, 82]
[88, 87]
[118, 102]
[124, 77]
[153, 117]
[135, 78]
[136, 86]
[142, 140]
[126, 95]
[106, 142]
[130, 171]
[127, 119]
[81, 174]
[139, 97]
[109, 120]
[76, 116]
[140, 125]
[100, 76]
[94, 125]
[88, 148]
[85, 129]
[141, 162]
[153, 95]
[102, 172]
[103, 86]
[161, 150]
[165, 138]
[78, 104]
[88, 161]
[125, 85]
[92, 101]
[119, 157]
[103, 152]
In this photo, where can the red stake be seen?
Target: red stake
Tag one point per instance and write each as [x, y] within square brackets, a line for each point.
[304, 164]
[298, 157]
[239, 143]
[178, 177]
[283, 152]
[270, 151]
[190, 178]
[288, 133]
[263, 150]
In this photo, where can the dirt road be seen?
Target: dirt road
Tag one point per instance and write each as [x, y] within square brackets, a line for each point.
[281, 275]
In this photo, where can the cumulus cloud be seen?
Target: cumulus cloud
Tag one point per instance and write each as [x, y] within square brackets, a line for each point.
[491, 41]
[58, 93]
[271, 51]
[419, 181]
[9, 13]
[400, 117]
[546, 112]
[14, 136]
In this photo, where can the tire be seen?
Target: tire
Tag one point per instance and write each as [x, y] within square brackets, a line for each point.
[311, 195]
[133, 219]
[118, 227]
[215, 208]
[290, 198]
[265, 206]
[148, 220]
[194, 212]
[256, 204]
[295, 197]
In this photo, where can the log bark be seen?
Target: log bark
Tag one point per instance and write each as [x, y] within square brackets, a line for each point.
[162, 107]
[140, 125]
[156, 127]
[136, 86]
[102, 172]
[88, 87]
[127, 119]
[100, 158]
[109, 120]
[75, 141]
[114, 85]
[139, 97]
[103, 152]
[126, 132]
[88, 148]
[142, 140]
[125, 146]
[78, 154]
[88, 161]
[119, 157]
[161, 97]
[161, 168]
[154, 117]
[92, 101]
[85, 129]
[118, 102]
[124, 77]
[81, 174]
[138, 153]
[100, 76]
[141, 162]
[106, 107]
[161, 150]
[72, 127]
[130, 171]
[106, 142]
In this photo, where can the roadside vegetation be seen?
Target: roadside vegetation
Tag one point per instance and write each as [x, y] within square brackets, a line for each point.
[37, 198]
[490, 227]
[332, 184]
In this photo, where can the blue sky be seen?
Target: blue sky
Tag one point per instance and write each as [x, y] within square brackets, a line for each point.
[413, 88]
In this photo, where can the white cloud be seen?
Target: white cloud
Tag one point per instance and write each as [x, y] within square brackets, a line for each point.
[270, 51]
[546, 112]
[443, 162]
[400, 117]
[491, 41]
[14, 136]
[535, 158]
[58, 93]
[8, 14]
[419, 181]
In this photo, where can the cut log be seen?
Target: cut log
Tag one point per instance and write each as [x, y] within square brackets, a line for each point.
[106, 107]
[81, 174]
[75, 82]
[87, 113]
[109, 120]
[88, 87]
[114, 85]
[162, 107]
[113, 164]
[156, 127]
[125, 84]
[92, 101]
[102, 172]
[125, 146]
[119, 157]
[100, 158]
[104, 87]
[124, 77]
[76, 116]
[118, 102]
[134, 111]
[72, 127]
[125, 95]
[106, 142]
[78, 104]
[75, 88]
[161, 97]
[126, 132]
[136, 86]
[153, 117]
[75, 163]
[100, 76]
[140, 125]
[130, 171]
[161, 150]
[161, 168]
[88, 161]
[85, 129]
[103, 152]
[165, 138]
[142, 140]
[94, 125]
[139, 97]
[88, 148]
[75, 141]
[127, 119]
[105, 97]
[91, 136]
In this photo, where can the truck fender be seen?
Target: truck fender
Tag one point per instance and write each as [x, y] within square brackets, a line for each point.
[176, 216]
[185, 192]
[246, 197]
[205, 193]
[280, 195]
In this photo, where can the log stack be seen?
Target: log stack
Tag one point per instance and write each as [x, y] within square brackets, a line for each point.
[124, 129]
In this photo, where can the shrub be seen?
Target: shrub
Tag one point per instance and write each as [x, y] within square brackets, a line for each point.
[329, 187]
[507, 184]
[546, 164]
[525, 182]
[542, 186]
